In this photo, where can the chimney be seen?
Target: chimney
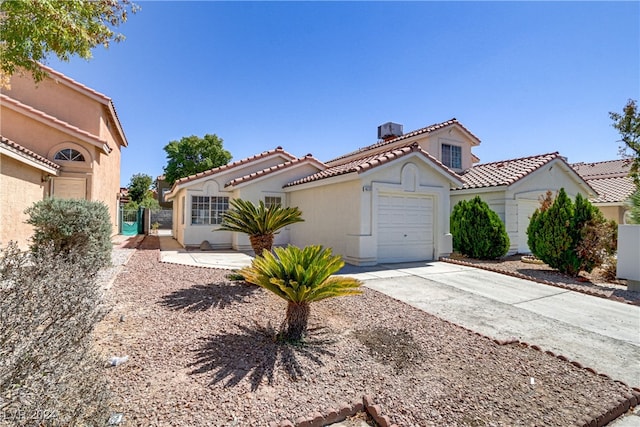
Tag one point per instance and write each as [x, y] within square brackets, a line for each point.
[389, 131]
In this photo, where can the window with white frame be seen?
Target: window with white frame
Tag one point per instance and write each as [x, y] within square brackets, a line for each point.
[206, 210]
[452, 156]
[272, 200]
[69, 155]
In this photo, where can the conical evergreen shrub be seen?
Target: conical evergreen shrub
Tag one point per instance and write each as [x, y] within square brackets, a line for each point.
[477, 231]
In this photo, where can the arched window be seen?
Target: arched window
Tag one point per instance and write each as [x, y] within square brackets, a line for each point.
[69, 155]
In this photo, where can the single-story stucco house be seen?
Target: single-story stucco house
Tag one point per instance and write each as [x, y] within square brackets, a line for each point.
[58, 138]
[613, 185]
[388, 202]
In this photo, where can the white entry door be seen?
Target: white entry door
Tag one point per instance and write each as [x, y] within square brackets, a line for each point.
[69, 188]
[405, 227]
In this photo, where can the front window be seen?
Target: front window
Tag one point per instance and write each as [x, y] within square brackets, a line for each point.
[69, 155]
[207, 210]
[452, 156]
[271, 201]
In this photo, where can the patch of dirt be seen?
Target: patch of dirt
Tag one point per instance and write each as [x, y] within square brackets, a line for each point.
[202, 353]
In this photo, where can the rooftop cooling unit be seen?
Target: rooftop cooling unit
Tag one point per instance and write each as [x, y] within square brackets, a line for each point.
[389, 130]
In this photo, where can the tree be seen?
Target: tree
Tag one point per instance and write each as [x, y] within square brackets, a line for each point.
[477, 230]
[192, 155]
[571, 237]
[628, 125]
[139, 187]
[32, 30]
[300, 277]
[259, 222]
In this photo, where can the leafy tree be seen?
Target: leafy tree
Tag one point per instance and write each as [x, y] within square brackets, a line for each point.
[76, 228]
[571, 237]
[478, 231]
[259, 222]
[300, 277]
[139, 186]
[192, 155]
[628, 125]
[32, 30]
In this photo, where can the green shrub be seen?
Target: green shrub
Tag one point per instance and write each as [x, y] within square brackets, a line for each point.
[477, 231]
[571, 237]
[79, 228]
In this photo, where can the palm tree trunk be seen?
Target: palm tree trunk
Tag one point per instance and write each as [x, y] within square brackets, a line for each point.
[261, 242]
[296, 321]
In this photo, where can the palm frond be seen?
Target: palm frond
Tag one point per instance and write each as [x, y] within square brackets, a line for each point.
[255, 220]
[301, 275]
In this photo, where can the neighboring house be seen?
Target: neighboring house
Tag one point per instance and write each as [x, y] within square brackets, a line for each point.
[200, 200]
[611, 181]
[60, 139]
[162, 188]
[513, 189]
[388, 202]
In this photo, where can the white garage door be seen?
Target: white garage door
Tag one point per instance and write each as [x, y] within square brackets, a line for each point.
[69, 188]
[526, 208]
[405, 227]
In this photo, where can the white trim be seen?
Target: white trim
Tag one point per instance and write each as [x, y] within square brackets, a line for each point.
[27, 160]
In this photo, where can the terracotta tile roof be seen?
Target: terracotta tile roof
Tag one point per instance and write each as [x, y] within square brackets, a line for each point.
[365, 163]
[615, 189]
[228, 166]
[17, 148]
[610, 168]
[505, 172]
[282, 166]
[81, 133]
[421, 131]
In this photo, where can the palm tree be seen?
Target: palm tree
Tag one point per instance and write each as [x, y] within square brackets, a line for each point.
[300, 277]
[259, 222]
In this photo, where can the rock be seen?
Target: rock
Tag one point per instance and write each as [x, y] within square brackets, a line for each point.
[205, 246]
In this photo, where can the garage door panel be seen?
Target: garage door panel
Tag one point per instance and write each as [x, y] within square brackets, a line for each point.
[405, 227]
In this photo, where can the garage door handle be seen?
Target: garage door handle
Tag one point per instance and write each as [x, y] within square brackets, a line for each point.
[405, 235]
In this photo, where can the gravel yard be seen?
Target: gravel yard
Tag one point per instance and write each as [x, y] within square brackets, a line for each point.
[201, 353]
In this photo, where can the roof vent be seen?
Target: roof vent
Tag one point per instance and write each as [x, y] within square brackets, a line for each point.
[389, 130]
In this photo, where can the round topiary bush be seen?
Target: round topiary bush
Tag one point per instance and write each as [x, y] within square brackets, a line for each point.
[477, 231]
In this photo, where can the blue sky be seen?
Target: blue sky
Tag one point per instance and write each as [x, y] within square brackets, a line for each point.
[319, 77]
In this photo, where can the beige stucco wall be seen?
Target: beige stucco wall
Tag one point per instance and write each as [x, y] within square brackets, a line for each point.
[20, 187]
[77, 109]
[101, 170]
[612, 212]
[343, 214]
[432, 144]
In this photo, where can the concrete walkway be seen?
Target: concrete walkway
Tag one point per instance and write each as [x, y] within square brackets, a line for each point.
[598, 333]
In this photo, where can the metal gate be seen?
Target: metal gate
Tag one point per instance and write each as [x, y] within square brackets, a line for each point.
[131, 222]
[163, 218]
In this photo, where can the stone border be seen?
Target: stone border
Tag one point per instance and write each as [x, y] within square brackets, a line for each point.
[345, 411]
[567, 286]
